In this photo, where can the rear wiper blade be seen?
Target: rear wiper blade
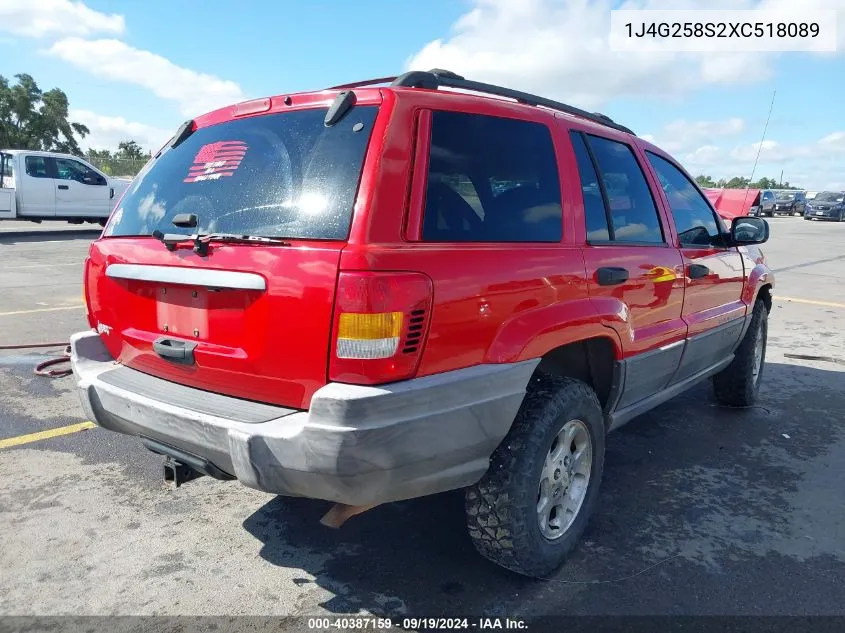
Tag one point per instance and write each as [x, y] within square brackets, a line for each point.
[202, 240]
[234, 237]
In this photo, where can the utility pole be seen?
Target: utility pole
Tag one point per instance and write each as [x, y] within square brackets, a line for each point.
[780, 182]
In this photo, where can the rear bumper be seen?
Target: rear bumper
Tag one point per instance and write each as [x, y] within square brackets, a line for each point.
[356, 445]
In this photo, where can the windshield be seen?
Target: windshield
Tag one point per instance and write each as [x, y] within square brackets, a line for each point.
[829, 196]
[786, 196]
[276, 175]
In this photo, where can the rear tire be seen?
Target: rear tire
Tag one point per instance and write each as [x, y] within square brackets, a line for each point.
[739, 383]
[558, 437]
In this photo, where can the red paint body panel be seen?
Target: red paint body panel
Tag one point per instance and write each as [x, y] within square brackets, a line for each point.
[268, 345]
[717, 298]
[757, 273]
[648, 306]
[483, 295]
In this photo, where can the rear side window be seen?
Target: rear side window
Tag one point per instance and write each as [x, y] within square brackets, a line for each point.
[491, 179]
[694, 219]
[36, 166]
[275, 175]
[626, 196]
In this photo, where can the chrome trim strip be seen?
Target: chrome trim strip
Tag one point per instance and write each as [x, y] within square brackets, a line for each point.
[671, 345]
[187, 276]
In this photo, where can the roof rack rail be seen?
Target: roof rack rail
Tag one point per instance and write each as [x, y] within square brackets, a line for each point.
[437, 77]
[364, 82]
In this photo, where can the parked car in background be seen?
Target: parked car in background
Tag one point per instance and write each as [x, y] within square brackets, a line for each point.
[767, 203]
[789, 203]
[828, 205]
[41, 186]
[811, 194]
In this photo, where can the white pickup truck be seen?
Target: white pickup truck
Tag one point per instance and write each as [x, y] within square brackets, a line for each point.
[41, 186]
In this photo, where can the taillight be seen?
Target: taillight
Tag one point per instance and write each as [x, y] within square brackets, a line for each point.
[379, 326]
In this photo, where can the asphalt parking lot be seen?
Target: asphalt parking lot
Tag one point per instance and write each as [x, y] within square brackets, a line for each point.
[704, 510]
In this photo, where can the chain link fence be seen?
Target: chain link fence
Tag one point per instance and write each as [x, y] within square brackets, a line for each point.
[118, 167]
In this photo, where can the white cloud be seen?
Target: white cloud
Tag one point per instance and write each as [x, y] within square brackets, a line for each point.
[814, 165]
[37, 18]
[770, 151]
[682, 136]
[561, 48]
[108, 131]
[194, 92]
[703, 156]
[835, 142]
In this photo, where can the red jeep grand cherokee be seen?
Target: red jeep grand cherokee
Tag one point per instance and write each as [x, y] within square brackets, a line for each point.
[368, 294]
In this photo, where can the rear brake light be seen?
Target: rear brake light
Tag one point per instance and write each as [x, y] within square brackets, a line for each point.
[380, 323]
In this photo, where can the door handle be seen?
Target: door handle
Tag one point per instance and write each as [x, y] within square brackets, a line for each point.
[697, 271]
[175, 350]
[63, 187]
[612, 276]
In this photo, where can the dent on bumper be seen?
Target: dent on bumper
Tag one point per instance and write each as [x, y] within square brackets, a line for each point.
[356, 445]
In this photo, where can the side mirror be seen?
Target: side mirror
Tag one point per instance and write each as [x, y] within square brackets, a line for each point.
[748, 230]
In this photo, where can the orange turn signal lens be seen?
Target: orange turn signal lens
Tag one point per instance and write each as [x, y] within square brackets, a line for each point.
[366, 327]
[368, 335]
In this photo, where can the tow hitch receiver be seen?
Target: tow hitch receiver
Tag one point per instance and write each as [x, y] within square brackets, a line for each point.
[180, 466]
[178, 473]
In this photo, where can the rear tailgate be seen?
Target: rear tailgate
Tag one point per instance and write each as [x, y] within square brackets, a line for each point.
[255, 319]
[268, 344]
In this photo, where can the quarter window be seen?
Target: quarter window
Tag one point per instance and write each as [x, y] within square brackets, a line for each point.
[491, 179]
[695, 221]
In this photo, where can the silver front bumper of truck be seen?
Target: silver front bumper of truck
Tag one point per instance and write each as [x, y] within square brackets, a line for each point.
[356, 445]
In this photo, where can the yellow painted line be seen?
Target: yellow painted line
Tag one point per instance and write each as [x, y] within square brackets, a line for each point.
[46, 435]
[827, 304]
[76, 307]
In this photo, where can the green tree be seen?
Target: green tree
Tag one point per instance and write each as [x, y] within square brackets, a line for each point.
[764, 183]
[737, 182]
[127, 160]
[705, 181]
[103, 159]
[32, 119]
[131, 150]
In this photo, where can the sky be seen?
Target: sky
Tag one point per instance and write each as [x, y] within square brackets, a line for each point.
[138, 68]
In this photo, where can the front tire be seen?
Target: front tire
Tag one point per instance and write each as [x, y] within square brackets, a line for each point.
[530, 509]
[739, 383]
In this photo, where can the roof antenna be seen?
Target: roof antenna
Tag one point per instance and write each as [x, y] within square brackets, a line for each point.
[760, 148]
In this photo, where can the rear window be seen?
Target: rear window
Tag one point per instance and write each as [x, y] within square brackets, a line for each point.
[277, 175]
[7, 175]
[491, 179]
